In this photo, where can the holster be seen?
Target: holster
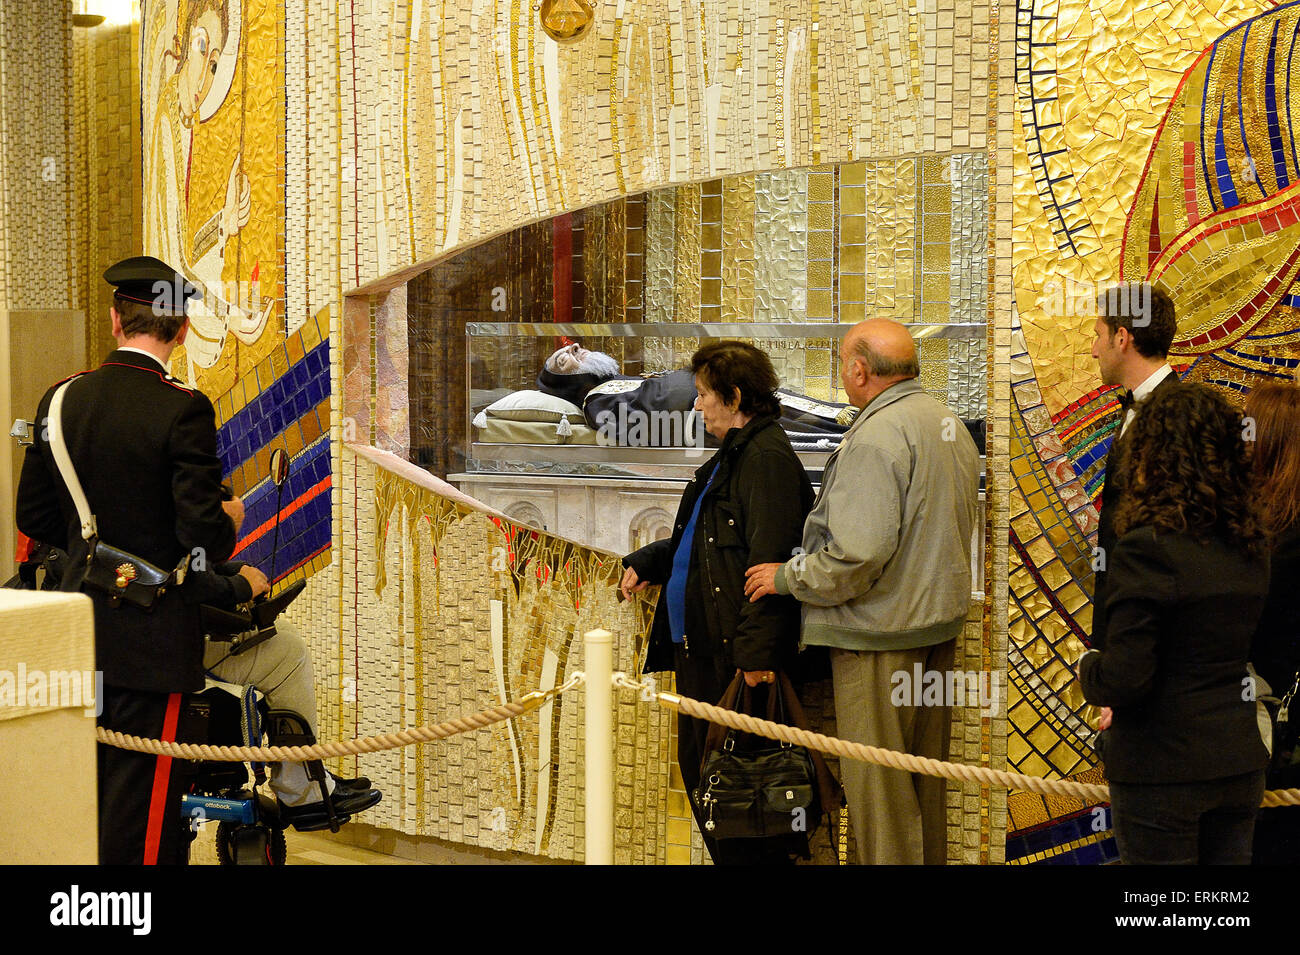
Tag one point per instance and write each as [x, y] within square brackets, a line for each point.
[121, 575]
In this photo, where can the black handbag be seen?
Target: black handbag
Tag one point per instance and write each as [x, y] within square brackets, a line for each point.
[755, 788]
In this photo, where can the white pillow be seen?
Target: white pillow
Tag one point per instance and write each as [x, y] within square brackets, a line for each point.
[535, 406]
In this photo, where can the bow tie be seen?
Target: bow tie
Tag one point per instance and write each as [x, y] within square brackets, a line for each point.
[1125, 400]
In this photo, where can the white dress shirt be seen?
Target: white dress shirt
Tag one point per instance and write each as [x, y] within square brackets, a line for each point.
[141, 351]
[1144, 389]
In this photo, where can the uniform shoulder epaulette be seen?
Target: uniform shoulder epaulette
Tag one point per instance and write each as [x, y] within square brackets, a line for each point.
[177, 384]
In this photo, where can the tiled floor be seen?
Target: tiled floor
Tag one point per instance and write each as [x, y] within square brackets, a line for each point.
[304, 848]
[357, 844]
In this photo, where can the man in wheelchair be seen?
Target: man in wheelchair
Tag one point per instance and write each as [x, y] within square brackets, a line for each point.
[250, 644]
[260, 684]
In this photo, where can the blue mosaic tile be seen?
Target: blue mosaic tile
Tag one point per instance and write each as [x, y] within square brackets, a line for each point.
[256, 424]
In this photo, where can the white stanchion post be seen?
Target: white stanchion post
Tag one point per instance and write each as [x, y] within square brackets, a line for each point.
[599, 754]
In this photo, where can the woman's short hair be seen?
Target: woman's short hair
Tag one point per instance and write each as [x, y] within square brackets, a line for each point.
[1273, 416]
[724, 366]
[1185, 468]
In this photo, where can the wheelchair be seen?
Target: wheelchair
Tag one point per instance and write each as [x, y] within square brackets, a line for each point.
[250, 823]
[250, 827]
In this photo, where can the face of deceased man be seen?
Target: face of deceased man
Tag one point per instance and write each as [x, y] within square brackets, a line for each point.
[576, 360]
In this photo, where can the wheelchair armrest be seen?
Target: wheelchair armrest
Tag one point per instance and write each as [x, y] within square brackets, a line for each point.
[222, 625]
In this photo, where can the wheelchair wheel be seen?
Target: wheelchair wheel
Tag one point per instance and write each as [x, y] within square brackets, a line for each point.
[239, 844]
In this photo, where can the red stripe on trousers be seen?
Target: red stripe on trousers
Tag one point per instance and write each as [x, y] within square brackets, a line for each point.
[161, 777]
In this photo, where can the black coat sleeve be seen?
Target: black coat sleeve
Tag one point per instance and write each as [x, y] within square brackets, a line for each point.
[1142, 586]
[777, 497]
[196, 482]
[653, 563]
[37, 510]
[217, 589]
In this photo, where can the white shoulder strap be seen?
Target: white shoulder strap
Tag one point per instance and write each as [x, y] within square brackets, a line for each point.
[60, 451]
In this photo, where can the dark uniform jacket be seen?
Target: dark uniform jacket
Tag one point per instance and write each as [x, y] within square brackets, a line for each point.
[753, 513]
[144, 448]
[1182, 617]
[1112, 489]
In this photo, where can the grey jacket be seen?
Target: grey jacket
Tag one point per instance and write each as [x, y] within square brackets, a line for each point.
[887, 545]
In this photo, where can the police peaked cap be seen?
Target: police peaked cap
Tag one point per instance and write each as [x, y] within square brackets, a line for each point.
[150, 281]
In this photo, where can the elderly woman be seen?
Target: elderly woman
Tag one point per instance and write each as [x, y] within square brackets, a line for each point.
[745, 505]
[1274, 409]
[1183, 752]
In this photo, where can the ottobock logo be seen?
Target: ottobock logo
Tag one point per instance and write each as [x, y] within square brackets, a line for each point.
[74, 907]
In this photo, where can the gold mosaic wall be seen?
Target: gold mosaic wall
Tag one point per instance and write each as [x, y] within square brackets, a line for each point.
[415, 125]
[458, 194]
[447, 631]
[108, 192]
[36, 156]
[407, 131]
[212, 95]
[1149, 143]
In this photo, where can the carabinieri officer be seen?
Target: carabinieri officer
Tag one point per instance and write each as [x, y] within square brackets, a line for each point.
[143, 447]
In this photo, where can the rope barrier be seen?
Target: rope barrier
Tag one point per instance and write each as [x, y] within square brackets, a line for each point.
[959, 772]
[367, 744]
[847, 749]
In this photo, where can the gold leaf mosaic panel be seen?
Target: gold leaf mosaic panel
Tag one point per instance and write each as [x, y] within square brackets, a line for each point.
[821, 244]
[738, 253]
[1043, 646]
[191, 158]
[781, 246]
[1109, 71]
[935, 253]
[691, 236]
[711, 252]
[550, 592]
[888, 259]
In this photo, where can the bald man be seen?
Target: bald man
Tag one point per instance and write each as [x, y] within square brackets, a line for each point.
[885, 583]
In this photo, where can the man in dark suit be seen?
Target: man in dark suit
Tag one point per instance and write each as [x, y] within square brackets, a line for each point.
[143, 447]
[1134, 329]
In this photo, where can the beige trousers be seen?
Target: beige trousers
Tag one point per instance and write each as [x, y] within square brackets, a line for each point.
[281, 669]
[899, 818]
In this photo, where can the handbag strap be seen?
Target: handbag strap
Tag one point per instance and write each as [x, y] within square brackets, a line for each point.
[59, 449]
[719, 734]
[832, 792]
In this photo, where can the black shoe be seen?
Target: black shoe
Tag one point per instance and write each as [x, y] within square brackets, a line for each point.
[361, 783]
[313, 815]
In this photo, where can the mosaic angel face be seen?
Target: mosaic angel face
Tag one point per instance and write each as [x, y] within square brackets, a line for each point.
[201, 52]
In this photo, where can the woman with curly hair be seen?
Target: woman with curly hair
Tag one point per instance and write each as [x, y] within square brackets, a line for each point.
[1189, 576]
[1274, 411]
